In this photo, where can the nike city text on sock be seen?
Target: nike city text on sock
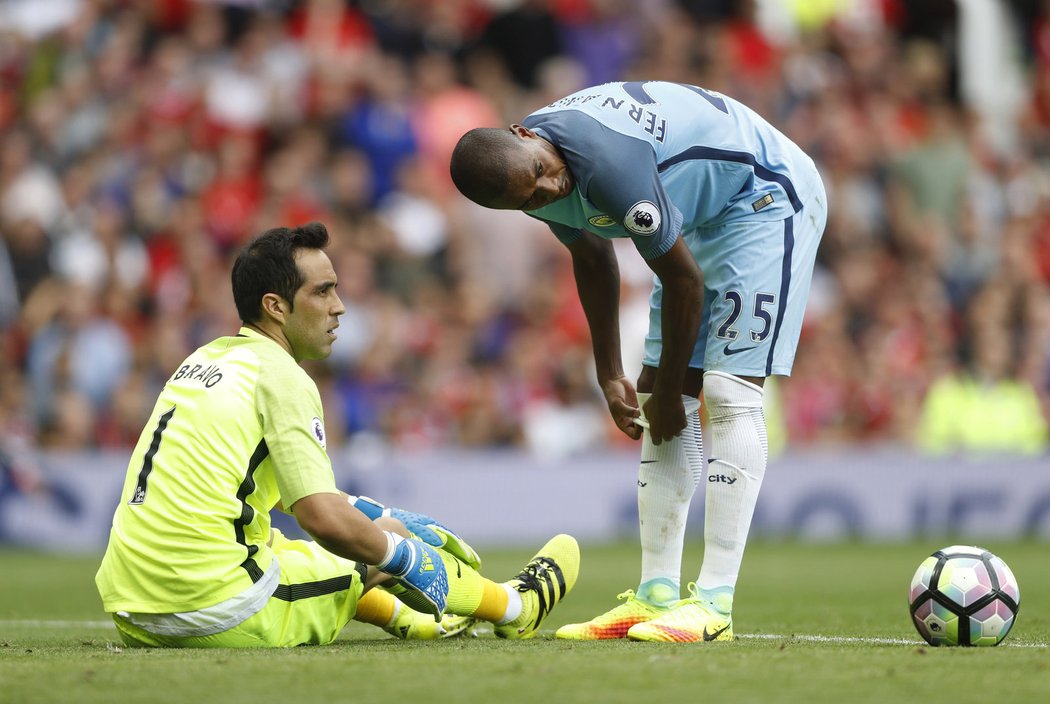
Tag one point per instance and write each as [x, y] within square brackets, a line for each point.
[737, 455]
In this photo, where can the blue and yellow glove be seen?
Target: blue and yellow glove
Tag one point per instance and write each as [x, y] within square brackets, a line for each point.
[427, 529]
[417, 566]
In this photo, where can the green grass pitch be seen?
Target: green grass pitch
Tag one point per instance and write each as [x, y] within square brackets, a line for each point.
[814, 622]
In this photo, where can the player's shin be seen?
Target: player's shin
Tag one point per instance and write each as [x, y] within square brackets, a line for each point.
[667, 478]
[471, 594]
[738, 451]
[376, 607]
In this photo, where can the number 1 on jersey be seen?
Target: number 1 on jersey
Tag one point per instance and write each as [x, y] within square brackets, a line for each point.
[147, 462]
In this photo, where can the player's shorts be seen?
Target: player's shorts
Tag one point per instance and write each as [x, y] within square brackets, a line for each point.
[756, 282]
[316, 597]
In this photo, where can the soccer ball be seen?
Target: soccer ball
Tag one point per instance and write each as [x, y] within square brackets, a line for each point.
[963, 595]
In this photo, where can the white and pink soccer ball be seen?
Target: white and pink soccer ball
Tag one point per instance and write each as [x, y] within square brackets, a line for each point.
[963, 595]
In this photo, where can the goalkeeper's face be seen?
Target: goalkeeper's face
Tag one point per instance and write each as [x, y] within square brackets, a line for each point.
[310, 326]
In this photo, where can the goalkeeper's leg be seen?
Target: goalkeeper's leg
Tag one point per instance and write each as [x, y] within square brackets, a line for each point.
[518, 606]
[469, 593]
[378, 608]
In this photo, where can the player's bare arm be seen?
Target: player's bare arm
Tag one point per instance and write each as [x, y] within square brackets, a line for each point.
[344, 530]
[340, 528]
[681, 313]
[598, 284]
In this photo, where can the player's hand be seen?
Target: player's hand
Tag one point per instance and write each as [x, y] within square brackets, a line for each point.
[666, 417]
[623, 405]
[418, 566]
[435, 533]
[427, 529]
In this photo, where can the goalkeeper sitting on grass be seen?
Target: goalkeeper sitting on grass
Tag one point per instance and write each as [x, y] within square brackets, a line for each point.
[238, 430]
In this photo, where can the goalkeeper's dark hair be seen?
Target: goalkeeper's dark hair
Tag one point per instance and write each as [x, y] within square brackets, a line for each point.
[480, 163]
[267, 265]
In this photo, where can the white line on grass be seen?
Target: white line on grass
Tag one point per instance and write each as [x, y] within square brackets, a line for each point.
[806, 638]
[853, 639]
[829, 639]
[57, 624]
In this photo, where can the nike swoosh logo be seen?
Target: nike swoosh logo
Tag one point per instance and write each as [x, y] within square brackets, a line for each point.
[730, 350]
[649, 461]
[712, 636]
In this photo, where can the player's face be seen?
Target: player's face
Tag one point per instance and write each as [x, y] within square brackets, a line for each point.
[310, 327]
[538, 174]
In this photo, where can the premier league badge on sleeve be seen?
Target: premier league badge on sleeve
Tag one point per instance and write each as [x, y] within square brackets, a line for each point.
[317, 427]
[643, 218]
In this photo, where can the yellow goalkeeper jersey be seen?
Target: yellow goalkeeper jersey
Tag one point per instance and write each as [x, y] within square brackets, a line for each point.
[236, 428]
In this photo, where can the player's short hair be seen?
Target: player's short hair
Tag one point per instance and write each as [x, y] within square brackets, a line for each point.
[267, 265]
[480, 164]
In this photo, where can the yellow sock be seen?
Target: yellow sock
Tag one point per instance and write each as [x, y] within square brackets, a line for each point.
[470, 594]
[376, 607]
[493, 604]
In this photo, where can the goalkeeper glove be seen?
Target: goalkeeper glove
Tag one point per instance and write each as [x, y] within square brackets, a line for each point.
[418, 567]
[427, 529]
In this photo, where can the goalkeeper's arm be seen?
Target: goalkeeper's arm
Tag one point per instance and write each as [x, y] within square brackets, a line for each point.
[339, 529]
[422, 526]
[343, 530]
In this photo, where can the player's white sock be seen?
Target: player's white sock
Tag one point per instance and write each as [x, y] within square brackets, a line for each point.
[737, 450]
[396, 610]
[513, 605]
[667, 478]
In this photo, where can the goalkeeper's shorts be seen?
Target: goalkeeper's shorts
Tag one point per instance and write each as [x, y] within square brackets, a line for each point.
[317, 595]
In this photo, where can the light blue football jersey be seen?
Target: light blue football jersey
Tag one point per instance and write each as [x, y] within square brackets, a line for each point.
[653, 159]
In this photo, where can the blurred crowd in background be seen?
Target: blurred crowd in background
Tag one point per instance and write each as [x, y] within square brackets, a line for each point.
[142, 142]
